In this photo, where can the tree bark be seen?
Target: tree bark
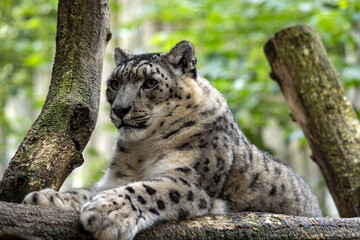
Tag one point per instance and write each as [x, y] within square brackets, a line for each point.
[318, 103]
[53, 146]
[54, 223]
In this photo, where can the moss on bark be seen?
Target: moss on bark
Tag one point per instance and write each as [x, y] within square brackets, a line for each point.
[54, 144]
[318, 103]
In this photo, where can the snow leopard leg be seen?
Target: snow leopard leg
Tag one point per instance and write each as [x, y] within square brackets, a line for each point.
[73, 199]
[122, 212]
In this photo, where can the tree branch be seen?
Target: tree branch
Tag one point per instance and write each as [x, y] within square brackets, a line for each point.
[318, 103]
[52, 148]
[54, 223]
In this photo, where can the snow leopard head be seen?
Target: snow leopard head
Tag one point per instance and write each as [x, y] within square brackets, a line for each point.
[146, 90]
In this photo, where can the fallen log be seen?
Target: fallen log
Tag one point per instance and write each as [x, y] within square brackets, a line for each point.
[53, 223]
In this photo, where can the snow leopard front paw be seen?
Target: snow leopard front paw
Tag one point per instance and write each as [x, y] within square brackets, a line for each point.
[51, 198]
[110, 216]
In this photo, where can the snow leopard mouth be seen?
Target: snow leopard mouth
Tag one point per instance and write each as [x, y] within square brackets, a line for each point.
[125, 126]
[139, 122]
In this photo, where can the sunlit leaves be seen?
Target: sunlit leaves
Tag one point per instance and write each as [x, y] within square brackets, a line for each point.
[229, 37]
[27, 41]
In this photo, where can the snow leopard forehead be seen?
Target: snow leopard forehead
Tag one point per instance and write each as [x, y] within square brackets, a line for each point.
[179, 61]
[138, 67]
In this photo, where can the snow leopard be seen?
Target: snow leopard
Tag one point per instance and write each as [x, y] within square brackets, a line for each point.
[179, 154]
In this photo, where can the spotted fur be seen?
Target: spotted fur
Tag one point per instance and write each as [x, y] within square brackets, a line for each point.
[179, 154]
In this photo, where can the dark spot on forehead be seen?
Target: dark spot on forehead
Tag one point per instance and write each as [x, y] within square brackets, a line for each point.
[151, 57]
[131, 68]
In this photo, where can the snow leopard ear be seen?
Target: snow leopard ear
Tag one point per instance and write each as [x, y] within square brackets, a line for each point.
[121, 55]
[182, 56]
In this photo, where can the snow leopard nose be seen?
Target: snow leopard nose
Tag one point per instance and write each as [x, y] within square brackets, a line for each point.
[121, 112]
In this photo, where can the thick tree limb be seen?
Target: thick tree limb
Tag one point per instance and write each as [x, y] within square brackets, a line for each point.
[53, 145]
[53, 223]
[318, 103]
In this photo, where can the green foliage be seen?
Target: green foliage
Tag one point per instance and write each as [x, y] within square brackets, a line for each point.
[27, 33]
[229, 37]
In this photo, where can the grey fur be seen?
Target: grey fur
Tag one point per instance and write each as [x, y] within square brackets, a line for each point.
[180, 154]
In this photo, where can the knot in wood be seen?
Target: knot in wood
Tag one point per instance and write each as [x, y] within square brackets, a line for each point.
[80, 117]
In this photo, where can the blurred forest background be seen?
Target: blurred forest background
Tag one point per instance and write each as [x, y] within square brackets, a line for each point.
[228, 36]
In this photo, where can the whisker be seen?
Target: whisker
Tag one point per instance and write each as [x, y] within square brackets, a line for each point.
[165, 114]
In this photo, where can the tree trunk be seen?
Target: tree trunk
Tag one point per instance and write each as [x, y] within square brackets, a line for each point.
[318, 103]
[54, 223]
[53, 146]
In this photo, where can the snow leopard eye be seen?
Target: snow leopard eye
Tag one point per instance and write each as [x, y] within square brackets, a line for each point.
[150, 83]
[114, 84]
